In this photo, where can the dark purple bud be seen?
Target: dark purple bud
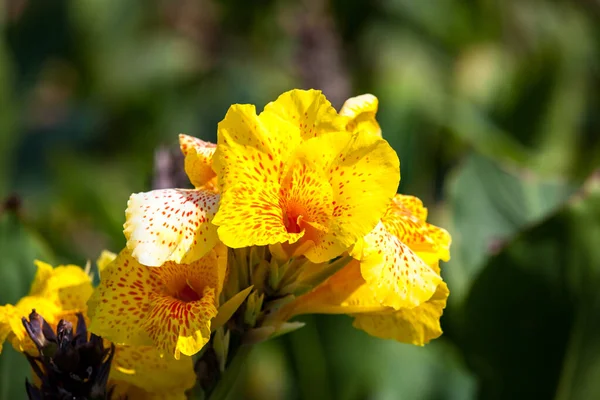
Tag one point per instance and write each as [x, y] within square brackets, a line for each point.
[34, 328]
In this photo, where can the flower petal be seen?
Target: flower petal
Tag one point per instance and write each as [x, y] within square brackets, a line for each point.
[11, 327]
[345, 292]
[397, 276]
[405, 219]
[361, 111]
[106, 257]
[180, 315]
[309, 110]
[68, 286]
[417, 326]
[120, 304]
[4, 327]
[198, 159]
[179, 327]
[412, 204]
[306, 196]
[171, 225]
[145, 368]
[249, 172]
[364, 172]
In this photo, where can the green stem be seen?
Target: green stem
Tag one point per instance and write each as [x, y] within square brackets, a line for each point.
[228, 380]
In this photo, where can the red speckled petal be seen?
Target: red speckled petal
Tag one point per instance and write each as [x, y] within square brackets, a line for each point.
[397, 276]
[363, 172]
[412, 204]
[416, 326]
[249, 166]
[405, 219]
[120, 304]
[198, 159]
[306, 195]
[171, 225]
[180, 327]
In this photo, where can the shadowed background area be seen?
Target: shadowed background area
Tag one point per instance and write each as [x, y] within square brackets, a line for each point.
[493, 108]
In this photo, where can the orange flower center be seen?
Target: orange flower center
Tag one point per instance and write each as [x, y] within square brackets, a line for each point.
[187, 294]
[293, 218]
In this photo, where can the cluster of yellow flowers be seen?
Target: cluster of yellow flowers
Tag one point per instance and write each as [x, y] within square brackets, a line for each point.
[294, 211]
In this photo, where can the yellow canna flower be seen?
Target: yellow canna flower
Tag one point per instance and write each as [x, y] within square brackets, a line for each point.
[170, 307]
[57, 293]
[392, 292]
[361, 111]
[175, 224]
[293, 174]
[140, 373]
[63, 292]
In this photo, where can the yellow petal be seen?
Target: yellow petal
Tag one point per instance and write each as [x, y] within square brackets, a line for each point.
[249, 168]
[364, 173]
[180, 327]
[41, 278]
[361, 111]
[169, 307]
[308, 110]
[417, 326]
[171, 225]
[405, 219]
[397, 276]
[4, 327]
[141, 372]
[252, 148]
[121, 302]
[106, 257]
[11, 327]
[198, 159]
[345, 292]
[412, 204]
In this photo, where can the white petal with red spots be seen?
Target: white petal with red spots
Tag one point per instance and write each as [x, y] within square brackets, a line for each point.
[171, 225]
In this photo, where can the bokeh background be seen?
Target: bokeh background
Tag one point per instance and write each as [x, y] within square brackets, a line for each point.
[492, 106]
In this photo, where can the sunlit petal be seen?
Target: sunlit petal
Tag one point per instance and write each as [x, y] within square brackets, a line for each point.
[171, 225]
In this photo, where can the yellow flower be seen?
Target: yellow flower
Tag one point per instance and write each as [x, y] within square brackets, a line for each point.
[293, 174]
[392, 292]
[56, 293]
[170, 307]
[175, 224]
[140, 373]
[62, 293]
[361, 111]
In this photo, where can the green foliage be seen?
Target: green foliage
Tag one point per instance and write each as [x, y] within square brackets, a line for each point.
[532, 316]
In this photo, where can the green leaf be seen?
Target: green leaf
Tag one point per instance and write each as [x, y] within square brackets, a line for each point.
[365, 367]
[490, 203]
[532, 317]
[229, 308]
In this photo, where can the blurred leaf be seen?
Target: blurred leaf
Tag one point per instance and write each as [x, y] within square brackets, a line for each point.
[489, 204]
[532, 318]
[6, 117]
[365, 367]
[19, 248]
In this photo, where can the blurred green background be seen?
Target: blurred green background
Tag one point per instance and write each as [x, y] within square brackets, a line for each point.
[492, 106]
